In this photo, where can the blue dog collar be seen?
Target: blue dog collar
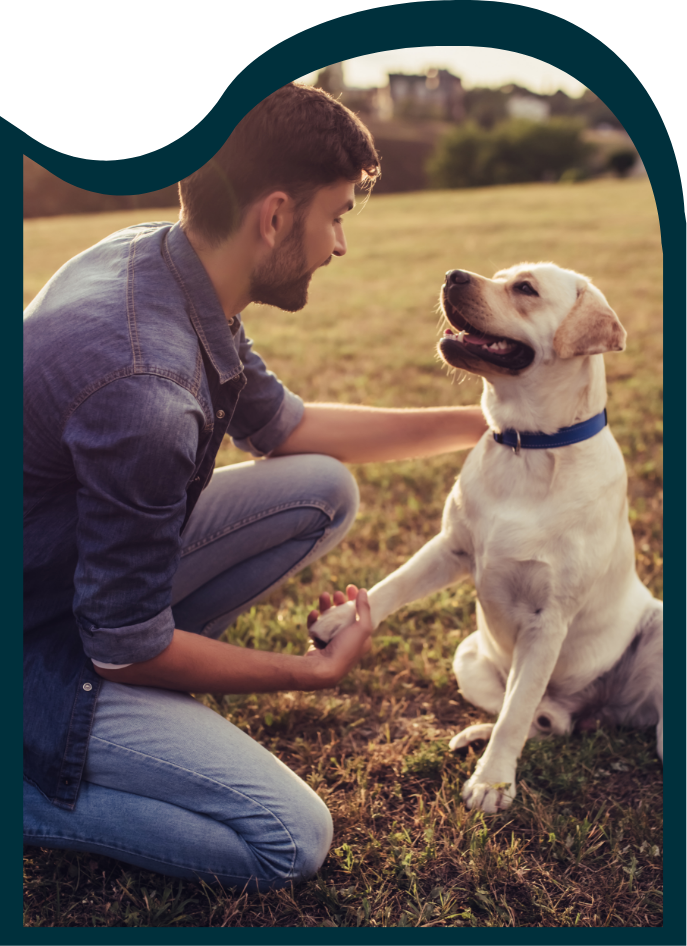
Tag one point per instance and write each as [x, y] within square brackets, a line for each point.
[562, 437]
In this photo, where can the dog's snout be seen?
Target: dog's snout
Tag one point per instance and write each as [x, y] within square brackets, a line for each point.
[457, 277]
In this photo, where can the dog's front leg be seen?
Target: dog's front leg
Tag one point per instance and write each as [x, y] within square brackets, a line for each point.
[492, 785]
[435, 566]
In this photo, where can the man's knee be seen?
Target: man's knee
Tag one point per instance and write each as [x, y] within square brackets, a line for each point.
[312, 841]
[296, 844]
[338, 488]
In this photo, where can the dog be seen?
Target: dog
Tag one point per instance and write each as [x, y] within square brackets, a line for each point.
[567, 633]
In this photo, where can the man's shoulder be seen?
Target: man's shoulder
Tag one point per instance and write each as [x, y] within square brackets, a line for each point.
[98, 275]
[113, 309]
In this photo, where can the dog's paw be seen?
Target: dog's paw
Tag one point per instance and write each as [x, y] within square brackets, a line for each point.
[472, 734]
[333, 621]
[486, 795]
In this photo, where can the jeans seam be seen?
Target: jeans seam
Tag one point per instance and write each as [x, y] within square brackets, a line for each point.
[207, 778]
[160, 860]
[257, 517]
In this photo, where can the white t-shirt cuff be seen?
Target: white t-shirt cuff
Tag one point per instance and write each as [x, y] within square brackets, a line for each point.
[99, 663]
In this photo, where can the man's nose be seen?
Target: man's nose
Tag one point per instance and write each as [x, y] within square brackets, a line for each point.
[340, 246]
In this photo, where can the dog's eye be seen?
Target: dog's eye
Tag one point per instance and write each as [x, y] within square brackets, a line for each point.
[525, 288]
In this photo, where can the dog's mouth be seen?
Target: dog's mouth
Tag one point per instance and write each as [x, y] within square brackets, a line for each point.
[459, 348]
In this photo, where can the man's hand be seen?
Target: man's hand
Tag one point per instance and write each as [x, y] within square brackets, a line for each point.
[345, 650]
[325, 603]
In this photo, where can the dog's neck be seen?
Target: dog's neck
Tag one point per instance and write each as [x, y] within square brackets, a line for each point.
[547, 399]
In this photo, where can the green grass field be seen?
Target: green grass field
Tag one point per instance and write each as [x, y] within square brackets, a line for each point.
[582, 844]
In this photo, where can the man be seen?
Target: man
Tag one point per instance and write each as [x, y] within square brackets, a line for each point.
[137, 364]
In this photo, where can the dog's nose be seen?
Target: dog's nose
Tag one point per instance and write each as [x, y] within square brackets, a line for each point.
[457, 277]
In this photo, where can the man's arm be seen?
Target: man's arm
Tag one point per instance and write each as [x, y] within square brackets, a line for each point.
[198, 664]
[356, 434]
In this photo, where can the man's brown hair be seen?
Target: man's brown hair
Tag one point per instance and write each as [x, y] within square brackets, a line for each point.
[297, 140]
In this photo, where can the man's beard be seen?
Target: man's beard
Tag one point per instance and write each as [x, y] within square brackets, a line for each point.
[282, 280]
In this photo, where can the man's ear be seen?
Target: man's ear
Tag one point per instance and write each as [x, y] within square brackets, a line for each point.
[276, 214]
[590, 328]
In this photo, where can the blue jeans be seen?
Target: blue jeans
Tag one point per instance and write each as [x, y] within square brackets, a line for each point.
[169, 785]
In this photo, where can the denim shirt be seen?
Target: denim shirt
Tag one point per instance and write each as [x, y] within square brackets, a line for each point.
[132, 379]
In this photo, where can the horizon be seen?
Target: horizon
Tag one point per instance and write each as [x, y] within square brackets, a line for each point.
[474, 65]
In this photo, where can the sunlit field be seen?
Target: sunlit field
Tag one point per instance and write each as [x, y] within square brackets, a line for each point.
[582, 843]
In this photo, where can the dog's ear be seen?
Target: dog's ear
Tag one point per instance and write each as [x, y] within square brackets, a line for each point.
[590, 328]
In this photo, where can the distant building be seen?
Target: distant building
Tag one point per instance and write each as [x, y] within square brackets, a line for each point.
[331, 79]
[439, 94]
[529, 107]
[370, 103]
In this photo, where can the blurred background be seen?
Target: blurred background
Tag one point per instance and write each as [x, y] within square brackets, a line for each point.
[443, 117]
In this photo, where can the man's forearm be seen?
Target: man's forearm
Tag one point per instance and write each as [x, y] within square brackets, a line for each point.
[196, 664]
[200, 664]
[356, 434]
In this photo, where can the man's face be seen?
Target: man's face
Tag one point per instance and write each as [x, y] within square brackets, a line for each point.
[316, 236]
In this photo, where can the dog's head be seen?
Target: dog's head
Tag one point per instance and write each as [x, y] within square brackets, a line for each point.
[526, 315]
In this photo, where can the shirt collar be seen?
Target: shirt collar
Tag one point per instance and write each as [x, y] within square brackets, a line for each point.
[204, 307]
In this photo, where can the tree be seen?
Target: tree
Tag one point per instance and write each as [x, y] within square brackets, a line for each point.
[622, 161]
[512, 152]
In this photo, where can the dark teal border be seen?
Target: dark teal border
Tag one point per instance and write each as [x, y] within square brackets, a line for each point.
[474, 23]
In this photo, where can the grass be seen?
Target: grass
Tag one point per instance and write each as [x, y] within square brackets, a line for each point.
[582, 844]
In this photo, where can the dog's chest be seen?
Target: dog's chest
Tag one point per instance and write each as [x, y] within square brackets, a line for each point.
[541, 531]
[516, 532]
[505, 504]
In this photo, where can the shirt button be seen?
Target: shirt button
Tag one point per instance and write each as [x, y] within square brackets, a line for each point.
[220, 414]
[87, 687]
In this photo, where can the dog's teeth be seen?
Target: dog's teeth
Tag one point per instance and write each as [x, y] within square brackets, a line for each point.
[461, 335]
[501, 345]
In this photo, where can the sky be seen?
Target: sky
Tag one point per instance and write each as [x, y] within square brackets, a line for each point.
[476, 65]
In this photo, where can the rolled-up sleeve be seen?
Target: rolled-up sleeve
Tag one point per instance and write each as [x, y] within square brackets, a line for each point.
[267, 411]
[121, 646]
[133, 445]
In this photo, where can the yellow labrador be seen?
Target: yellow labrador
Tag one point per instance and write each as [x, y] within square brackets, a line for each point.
[567, 633]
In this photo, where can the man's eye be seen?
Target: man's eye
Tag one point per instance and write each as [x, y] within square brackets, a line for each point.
[525, 288]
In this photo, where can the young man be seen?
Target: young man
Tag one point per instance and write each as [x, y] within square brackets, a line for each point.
[136, 560]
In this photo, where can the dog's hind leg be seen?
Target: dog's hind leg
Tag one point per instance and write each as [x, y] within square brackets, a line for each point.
[551, 719]
[480, 684]
[644, 683]
[471, 734]
[655, 620]
[479, 680]
[631, 692]
[654, 656]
